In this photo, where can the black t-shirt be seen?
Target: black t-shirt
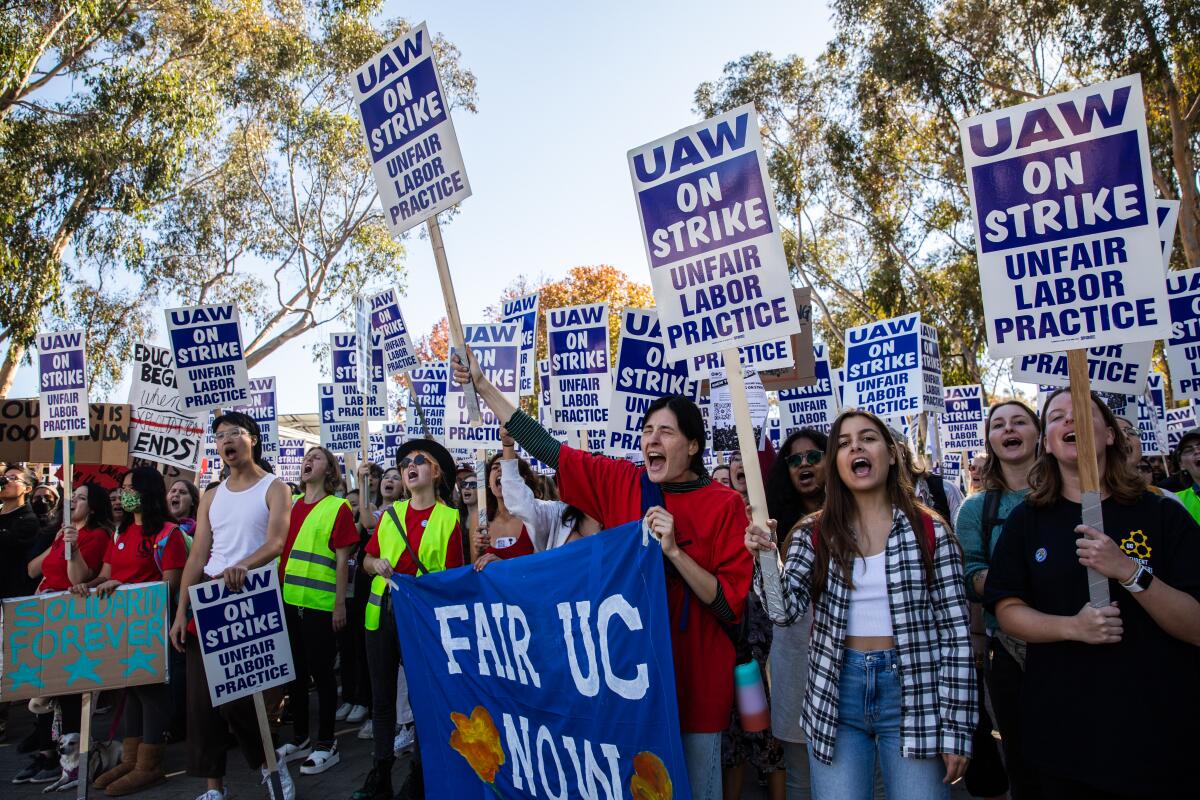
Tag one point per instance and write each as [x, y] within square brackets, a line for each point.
[1124, 716]
[18, 532]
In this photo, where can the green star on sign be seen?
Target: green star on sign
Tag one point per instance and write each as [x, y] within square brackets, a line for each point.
[139, 659]
[83, 668]
[27, 675]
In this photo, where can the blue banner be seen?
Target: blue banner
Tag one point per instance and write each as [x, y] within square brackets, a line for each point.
[546, 676]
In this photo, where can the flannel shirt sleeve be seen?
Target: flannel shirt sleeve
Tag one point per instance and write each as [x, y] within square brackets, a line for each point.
[957, 706]
[795, 578]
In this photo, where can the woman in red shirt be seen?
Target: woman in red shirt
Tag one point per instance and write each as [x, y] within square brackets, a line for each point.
[88, 534]
[149, 546]
[700, 525]
[506, 535]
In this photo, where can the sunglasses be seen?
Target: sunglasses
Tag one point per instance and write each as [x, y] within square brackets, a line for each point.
[811, 457]
[418, 460]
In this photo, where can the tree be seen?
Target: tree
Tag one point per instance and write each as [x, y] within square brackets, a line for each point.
[435, 345]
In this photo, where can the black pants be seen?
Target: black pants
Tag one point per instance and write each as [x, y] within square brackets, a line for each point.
[356, 679]
[383, 660]
[148, 712]
[71, 708]
[1004, 680]
[1064, 789]
[985, 773]
[313, 652]
[209, 727]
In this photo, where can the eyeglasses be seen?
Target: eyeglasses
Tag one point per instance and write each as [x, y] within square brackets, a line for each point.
[466, 484]
[812, 457]
[418, 460]
[228, 433]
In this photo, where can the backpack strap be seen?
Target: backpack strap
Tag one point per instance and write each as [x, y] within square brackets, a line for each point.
[404, 538]
[991, 518]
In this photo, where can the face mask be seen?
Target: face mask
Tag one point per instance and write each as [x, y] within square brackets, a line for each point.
[131, 501]
[40, 506]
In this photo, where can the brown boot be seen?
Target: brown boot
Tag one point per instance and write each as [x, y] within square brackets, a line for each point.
[147, 773]
[129, 749]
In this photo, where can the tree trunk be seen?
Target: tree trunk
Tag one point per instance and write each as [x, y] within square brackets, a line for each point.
[8, 370]
[1185, 173]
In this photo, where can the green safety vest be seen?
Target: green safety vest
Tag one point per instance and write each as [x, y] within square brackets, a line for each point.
[431, 551]
[310, 578]
[1191, 501]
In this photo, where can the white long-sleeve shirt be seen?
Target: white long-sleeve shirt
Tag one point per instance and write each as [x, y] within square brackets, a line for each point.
[542, 518]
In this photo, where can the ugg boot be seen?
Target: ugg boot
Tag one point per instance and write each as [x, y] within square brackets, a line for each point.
[129, 750]
[147, 773]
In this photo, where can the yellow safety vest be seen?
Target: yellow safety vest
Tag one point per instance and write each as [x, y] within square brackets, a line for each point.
[431, 551]
[310, 577]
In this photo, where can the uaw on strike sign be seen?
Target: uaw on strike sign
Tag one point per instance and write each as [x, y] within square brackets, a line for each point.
[1067, 238]
[717, 265]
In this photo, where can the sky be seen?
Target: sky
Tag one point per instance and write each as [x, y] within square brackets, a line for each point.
[565, 89]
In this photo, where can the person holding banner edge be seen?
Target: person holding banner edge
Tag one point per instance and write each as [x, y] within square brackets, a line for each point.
[1099, 681]
[698, 524]
[891, 677]
[313, 575]
[240, 525]
[414, 536]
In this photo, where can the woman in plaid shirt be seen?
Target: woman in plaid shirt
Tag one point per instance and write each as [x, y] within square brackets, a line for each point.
[890, 668]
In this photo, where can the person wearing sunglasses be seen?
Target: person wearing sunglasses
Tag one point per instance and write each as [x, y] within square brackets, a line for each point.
[415, 536]
[795, 489]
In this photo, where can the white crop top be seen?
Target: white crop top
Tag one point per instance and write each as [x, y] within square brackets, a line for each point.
[239, 524]
[870, 614]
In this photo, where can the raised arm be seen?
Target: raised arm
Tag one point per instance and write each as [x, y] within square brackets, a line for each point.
[495, 399]
[795, 576]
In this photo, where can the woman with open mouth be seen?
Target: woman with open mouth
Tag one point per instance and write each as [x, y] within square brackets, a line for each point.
[891, 676]
[1011, 432]
[697, 522]
[1101, 685]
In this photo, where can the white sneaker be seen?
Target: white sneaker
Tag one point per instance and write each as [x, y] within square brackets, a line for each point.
[367, 731]
[294, 751]
[342, 712]
[356, 714]
[320, 760]
[404, 739]
[285, 780]
[214, 794]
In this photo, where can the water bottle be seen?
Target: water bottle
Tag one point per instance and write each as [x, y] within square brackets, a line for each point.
[751, 697]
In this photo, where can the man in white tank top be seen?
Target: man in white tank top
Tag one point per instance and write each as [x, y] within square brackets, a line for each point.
[240, 526]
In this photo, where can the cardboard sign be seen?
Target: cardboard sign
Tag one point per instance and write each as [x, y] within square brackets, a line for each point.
[497, 349]
[206, 344]
[1061, 191]
[429, 388]
[1152, 416]
[362, 344]
[580, 384]
[537, 678]
[243, 635]
[291, 460]
[524, 311]
[409, 134]
[1183, 344]
[261, 409]
[107, 440]
[546, 404]
[803, 370]
[962, 423]
[642, 376]
[724, 429]
[337, 436]
[387, 321]
[884, 372]
[62, 383]
[813, 406]
[933, 397]
[717, 265]
[349, 402]
[393, 435]
[1119, 368]
[159, 431]
[58, 643]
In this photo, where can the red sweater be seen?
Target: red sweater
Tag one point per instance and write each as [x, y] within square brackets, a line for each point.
[710, 526]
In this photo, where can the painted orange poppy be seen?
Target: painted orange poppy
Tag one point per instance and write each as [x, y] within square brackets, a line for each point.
[650, 780]
[478, 741]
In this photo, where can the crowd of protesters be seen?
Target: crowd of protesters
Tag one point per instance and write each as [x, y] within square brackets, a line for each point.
[915, 622]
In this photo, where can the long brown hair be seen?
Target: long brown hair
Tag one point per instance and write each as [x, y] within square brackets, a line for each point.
[835, 540]
[523, 468]
[992, 476]
[333, 471]
[1120, 480]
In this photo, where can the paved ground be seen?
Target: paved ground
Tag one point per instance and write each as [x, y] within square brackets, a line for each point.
[336, 783]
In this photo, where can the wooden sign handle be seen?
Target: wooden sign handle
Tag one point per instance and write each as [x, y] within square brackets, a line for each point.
[1089, 468]
[85, 735]
[264, 730]
[412, 392]
[66, 492]
[453, 320]
[748, 447]
[364, 439]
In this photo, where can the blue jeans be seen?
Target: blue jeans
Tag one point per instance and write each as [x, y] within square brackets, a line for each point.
[702, 753]
[869, 727]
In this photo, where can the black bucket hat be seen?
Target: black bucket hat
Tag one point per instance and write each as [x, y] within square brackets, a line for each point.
[444, 459]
